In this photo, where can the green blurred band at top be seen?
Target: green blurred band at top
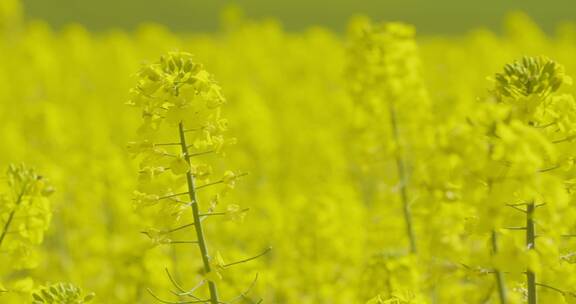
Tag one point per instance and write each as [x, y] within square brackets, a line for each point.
[429, 16]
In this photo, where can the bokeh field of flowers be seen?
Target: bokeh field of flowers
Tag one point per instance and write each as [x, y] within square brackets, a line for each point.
[255, 164]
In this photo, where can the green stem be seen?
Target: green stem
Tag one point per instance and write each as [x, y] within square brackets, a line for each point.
[401, 169]
[11, 216]
[196, 214]
[179, 228]
[497, 273]
[248, 259]
[531, 244]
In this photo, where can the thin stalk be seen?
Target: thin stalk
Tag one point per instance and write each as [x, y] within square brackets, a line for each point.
[173, 195]
[209, 184]
[179, 228]
[401, 170]
[196, 214]
[497, 274]
[183, 242]
[248, 259]
[222, 213]
[167, 144]
[560, 291]
[531, 244]
[11, 216]
[202, 153]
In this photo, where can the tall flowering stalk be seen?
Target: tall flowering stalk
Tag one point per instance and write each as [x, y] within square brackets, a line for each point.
[385, 84]
[25, 215]
[391, 106]
[527, 86]
[25, 212]
[180, 105]
[522, 159]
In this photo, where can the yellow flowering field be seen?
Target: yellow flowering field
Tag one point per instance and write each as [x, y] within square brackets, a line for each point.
[258, 165]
